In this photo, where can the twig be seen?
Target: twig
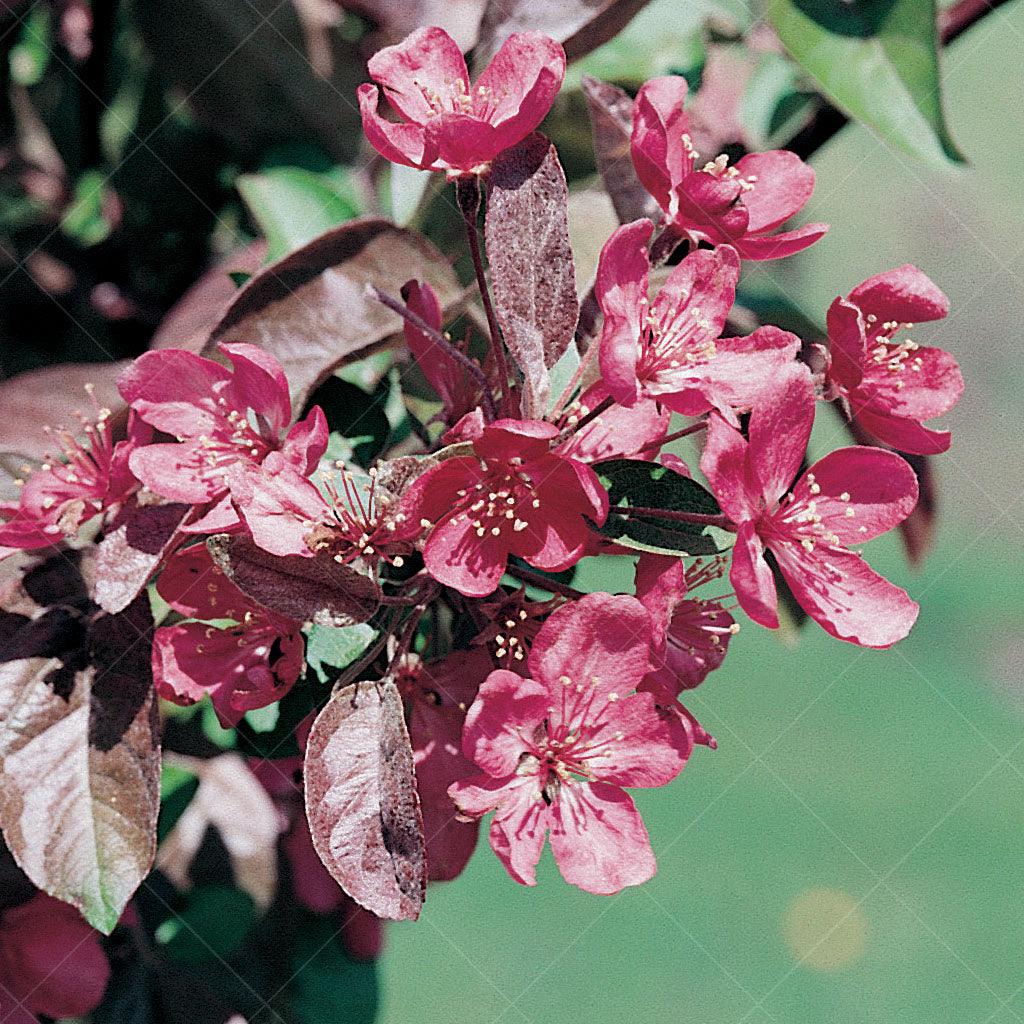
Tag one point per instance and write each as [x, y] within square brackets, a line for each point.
[697, 518]
[541, 581]
[438, 339]
[467, 192]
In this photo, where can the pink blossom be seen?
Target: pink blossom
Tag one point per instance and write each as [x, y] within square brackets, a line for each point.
[691, 635]
[557, 748]
[287, 514]
[243, 667]
[513, 496]
[712, 202]
[447, 123]
[437, 696]
[846, 498]
[86, 477]
[51, 962]
[220, 417]
[671, 349]
[617, 432]
[890, 386]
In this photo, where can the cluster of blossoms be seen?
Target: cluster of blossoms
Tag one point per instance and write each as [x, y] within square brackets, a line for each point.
[524, 696]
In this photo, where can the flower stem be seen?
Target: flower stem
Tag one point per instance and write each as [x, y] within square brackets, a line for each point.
[602, 407]
[577, 377]
[542, 582]
[685, 432]
[439, 339]
[697, 518]
[467, 193]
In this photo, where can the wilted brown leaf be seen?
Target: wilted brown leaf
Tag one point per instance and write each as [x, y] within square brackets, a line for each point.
[315, 589]
[579, 25]
[79, 742]
[133, 547]
[361, 800]
[527, 235]
[311, 309]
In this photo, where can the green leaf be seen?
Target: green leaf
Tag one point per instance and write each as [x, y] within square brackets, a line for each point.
[774, 106]
[292, 206]
[239, 277]
[85, 220]
[177, 787]
[646, 484]
[30, 56]
[328, 647]
[877, 60]
[213, 925]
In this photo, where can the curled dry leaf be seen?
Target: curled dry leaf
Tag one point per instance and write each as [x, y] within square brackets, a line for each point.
[579, 25]
[79, 742]
[231, 800]
[527, 235]
[135, 544]
[361, 800]
[315, 589]
[312, 310]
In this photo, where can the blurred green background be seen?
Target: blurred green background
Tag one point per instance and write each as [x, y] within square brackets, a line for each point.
[853, 850]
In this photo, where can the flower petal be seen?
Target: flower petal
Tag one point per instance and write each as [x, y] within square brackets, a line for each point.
[752, 579]
[599, 839]
[859, 492]
[905, 435]
[258, 383]
[725, 464]
[780, 427]
[656, 145]
[905, 294]
[507, 708]
[785, 243]
[845, 596]
[599, 643]
[174, 391]
[926, 383]
[782, 184]
[400, 143]
[422, 75]
[517, 88]
[457, 556]
[305, 444]
[621, 292]
[847, 343]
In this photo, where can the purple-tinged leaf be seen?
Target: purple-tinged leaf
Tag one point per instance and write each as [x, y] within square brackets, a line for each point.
[135, 544]
[316, 589]
[611, 124]
[579, 25]
[361, 800]
[79, 743]
[527, 235]
[312, 310]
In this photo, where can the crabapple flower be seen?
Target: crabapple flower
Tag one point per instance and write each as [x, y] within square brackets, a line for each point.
[288, 515]
[86, 477]
[513, 496]
[557, 748]
[691, 635]
[51, 962]
[242, 667]
[846, 498]
[447, 123]
[615, 433]
[890, 386]
[670, 349]
[740, 205]
[512, 623]
[437, 696]
[220, 417]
